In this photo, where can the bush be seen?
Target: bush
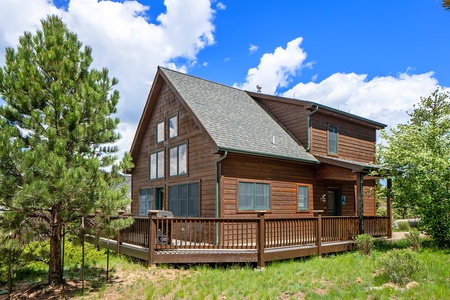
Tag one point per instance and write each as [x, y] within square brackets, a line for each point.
[403, 226]
[399, 265]
[364, 244]
[413, 240]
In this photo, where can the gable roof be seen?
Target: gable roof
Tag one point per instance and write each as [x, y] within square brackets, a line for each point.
[323, 108]
[231, 119]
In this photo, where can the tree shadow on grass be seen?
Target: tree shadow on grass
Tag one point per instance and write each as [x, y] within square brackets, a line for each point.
[31, 288]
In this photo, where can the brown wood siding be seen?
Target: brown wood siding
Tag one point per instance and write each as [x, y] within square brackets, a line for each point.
[201, 159]
[355, 141]
[283, 177]
[292, 117]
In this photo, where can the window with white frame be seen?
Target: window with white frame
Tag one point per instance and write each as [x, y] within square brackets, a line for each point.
[173, 127]
[253, 196]
[156, 165]
[178, 160]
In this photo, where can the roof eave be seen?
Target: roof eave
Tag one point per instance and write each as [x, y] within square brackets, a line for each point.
[267, 155]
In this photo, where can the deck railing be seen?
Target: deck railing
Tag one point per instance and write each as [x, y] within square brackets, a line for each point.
[257, 234]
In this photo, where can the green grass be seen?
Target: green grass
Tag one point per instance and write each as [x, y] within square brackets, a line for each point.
[349, 275]
[344, 276]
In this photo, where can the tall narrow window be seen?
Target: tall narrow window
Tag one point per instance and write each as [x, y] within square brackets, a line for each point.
[145, 201]
[157, 165]
[253, 196]
[160, 132]
[178, 160]
[184, 200]
[173, 127]
[332, 140]
[302, 198]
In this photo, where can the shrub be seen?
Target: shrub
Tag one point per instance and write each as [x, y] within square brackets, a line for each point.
[414, 240]
[399, 265]
[364, 244]
[403, 226]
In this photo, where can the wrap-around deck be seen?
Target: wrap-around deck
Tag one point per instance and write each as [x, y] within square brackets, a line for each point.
[237, 240]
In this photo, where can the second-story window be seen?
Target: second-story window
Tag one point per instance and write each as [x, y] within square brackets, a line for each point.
[332, 140]
[160, 132]
[157, 165]
[173, 127]
[178, 160]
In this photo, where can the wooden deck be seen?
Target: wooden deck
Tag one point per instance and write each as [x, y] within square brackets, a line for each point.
[232, 240]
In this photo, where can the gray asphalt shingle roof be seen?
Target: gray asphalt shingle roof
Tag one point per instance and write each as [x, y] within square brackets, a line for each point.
[234, 120]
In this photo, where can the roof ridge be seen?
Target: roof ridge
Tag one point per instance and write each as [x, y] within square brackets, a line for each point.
[203, 79]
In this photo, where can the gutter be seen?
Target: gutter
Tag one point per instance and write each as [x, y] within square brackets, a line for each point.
[309, 126]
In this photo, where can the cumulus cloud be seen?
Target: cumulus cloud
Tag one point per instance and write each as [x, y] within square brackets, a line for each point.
[385, 99]
[275, 69]
[123, 40]
[221, 6]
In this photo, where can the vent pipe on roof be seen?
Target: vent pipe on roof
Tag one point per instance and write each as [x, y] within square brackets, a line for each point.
[258, 88]
[273, 141]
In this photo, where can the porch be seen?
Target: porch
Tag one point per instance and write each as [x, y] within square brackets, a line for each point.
[236, 240]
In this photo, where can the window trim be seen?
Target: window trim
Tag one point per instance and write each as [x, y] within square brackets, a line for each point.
[153, 201]
[187, 199]
[329, 127]
[253, 200]
[178, 160]
[163, 132]
[308, 197]
[157, 152]
[168, 126]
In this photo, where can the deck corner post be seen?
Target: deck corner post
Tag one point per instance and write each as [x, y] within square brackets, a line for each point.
[151, 238]
[319, 234]
[261, 240]
[389, 207]
[119, 241]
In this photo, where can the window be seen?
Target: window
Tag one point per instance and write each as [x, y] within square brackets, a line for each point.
[184, 200]
[178, 160]
[145, 201]
[157, 165]
[302, 198]
[160, 132]
[253, 196]
[332, 140]
[173, 127]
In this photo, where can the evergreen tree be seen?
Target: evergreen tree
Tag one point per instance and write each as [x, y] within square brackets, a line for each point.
[55, 126]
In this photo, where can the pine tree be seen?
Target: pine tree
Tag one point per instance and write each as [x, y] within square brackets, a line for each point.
[55, 128]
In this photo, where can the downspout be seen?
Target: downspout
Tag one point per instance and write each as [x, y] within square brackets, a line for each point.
[217, 192]
[309, 126]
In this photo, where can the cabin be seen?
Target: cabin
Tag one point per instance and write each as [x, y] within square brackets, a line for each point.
[203, 149]
[247, 177]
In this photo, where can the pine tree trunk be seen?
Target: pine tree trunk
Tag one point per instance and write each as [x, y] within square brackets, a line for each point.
[55, 271]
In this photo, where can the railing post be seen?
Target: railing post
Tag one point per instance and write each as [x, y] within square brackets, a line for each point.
[389, 207]
[119, 241]
[151, 238]
[261, 240]
[319, 234]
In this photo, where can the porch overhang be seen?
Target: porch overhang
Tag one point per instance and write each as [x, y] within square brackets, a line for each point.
[346, 169]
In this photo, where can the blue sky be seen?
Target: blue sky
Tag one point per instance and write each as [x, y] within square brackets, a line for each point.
[372, 58]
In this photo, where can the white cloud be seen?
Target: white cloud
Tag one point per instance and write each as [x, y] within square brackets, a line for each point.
[253, 48]
[221, 6]
[275, 69]
[385, 99]
[123, 40]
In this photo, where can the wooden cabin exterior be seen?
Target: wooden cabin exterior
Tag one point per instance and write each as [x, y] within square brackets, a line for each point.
[203, 149]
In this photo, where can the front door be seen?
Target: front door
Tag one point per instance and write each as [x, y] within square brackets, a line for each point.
[333, 203]
[159, 199]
